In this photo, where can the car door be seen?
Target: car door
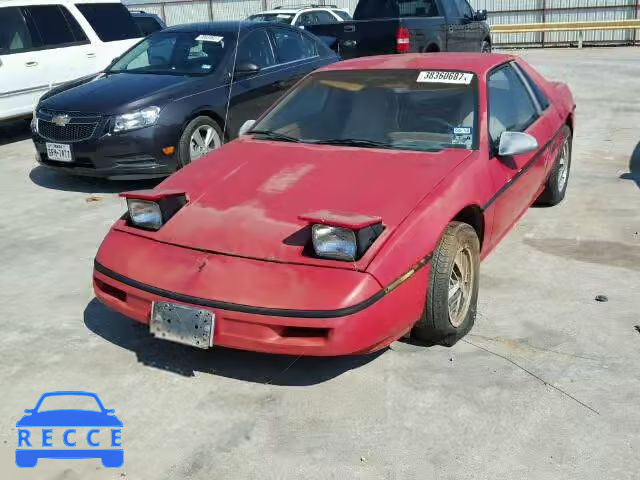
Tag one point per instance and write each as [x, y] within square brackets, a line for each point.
[456, 28]
[517, 180]
[252, 94]
[296, 54]
[69, 54]
[474, 33]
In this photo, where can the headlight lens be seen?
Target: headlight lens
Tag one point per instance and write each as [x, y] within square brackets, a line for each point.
[334, 242]
[131, 121]
[144, 213]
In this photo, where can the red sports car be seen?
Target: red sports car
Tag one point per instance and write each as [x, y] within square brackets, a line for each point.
[355, 211]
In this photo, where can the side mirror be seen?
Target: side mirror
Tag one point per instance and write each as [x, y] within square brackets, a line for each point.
[246, 126]
[246, 68]
[516, 143]
[481, 15]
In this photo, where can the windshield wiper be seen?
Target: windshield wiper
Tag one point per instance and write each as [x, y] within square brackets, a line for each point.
[269, 135]
[352, 142]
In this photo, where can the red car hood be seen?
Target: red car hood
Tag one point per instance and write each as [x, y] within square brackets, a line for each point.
[245, 199]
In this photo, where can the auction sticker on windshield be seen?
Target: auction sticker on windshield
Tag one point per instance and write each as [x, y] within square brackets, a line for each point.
[439, 76]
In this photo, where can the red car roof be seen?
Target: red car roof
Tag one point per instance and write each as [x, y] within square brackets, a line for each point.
[478, 63]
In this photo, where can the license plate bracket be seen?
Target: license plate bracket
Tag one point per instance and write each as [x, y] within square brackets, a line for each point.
[59, 152]
[182, 324]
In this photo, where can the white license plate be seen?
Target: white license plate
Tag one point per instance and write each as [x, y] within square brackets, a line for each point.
[178, 323]
[59, 152]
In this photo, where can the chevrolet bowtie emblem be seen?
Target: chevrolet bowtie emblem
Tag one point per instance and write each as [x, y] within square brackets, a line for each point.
[61, 120]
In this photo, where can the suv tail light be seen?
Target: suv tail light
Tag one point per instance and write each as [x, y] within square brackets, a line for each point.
[403, 43]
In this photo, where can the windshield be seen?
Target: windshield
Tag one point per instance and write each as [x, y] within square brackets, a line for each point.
[173, 53]
[399, 109]
[272, 17]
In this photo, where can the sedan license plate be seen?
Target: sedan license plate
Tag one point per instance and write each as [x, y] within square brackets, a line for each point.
[59, 152]
[178, 323]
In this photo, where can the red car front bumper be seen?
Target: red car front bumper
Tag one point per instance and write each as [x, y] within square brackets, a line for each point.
[365, 318]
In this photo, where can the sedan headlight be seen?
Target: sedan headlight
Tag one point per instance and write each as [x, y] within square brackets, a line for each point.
[334, 242]
[144, 213]
[131, 121]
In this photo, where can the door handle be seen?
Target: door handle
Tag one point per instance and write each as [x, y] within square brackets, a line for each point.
[31, 64]
[91, 55]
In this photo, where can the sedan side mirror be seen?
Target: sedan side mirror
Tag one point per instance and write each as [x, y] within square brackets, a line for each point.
[246, 68]
[516, 143]
[481, 15]
[246, 126]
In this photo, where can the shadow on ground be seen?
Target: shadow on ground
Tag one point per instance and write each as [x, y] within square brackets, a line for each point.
[48, 178]
[634, 167]
[241, 365]
[15, 131]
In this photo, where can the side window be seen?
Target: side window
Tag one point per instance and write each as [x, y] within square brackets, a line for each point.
[325, 17]
[306, 19]
[342, 14]
[537, 91]
[417, 8]
[147, 25]
[14, 34]
[288, 45]
[51, 25]
[309, 46]
[510, 106]
[111, 21]
[75, 27]
[464, 10]
[256, 48]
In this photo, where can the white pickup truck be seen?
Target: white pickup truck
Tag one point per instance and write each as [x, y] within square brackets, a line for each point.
[44, 43]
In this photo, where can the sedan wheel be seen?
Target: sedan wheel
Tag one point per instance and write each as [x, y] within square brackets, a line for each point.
[556, 186]
[203, 140]
[460, 287]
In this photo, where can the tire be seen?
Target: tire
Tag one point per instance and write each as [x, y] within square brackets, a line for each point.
[201, 125]
[440, 324]
[486, 47]
[556, 186]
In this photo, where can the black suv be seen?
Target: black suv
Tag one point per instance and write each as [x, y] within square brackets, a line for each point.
[176, 95]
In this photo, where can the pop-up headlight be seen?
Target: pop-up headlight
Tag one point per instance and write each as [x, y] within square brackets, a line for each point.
[340, 236]
[150, 209]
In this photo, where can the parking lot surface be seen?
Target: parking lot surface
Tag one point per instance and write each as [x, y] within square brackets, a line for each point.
[546, 386]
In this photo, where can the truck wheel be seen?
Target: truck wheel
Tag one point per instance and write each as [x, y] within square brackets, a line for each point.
[200, 136]
[452, 294]
[486, 47]
[556, 186]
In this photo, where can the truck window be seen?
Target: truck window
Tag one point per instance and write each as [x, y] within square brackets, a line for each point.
[370, 9]
[55, 26]
[147, 25]
[111, 21]
[464, 10]
[14, 35]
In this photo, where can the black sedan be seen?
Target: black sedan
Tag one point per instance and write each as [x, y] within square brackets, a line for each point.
[172, 98]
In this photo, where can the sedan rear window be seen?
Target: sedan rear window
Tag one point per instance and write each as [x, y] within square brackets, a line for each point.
[111, 21]
[398, 109]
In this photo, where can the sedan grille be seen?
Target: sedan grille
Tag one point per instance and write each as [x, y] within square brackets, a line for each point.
[75, 127]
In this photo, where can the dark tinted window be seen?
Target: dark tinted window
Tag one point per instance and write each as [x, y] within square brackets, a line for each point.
[147, 25]
[510, 106]
[256, 48]
[73, 24]
[53, 28]
[368, 9]
[307, 19]
[14, 34]
[309, 46]
[537, 91]
[111, 21]
[288, 45]
[464, 10]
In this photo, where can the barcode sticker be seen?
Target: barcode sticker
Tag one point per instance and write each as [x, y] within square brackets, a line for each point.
[209, 38]
[439, 76]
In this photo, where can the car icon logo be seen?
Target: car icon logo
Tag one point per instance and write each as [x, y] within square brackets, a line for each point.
[69, 433]
[61, 120]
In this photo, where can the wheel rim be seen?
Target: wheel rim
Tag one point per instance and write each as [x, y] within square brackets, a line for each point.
[460, 287]
[203, 140]
[563, 166]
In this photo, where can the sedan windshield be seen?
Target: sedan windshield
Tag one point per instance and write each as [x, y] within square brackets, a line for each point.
[397, 109]
[174, 53]
[272, 17]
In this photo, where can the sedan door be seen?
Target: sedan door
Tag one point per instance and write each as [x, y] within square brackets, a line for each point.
[253, 92]
[517, 179]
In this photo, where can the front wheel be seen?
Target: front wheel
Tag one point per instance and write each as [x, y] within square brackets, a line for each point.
[199, 137]
[452, 294]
